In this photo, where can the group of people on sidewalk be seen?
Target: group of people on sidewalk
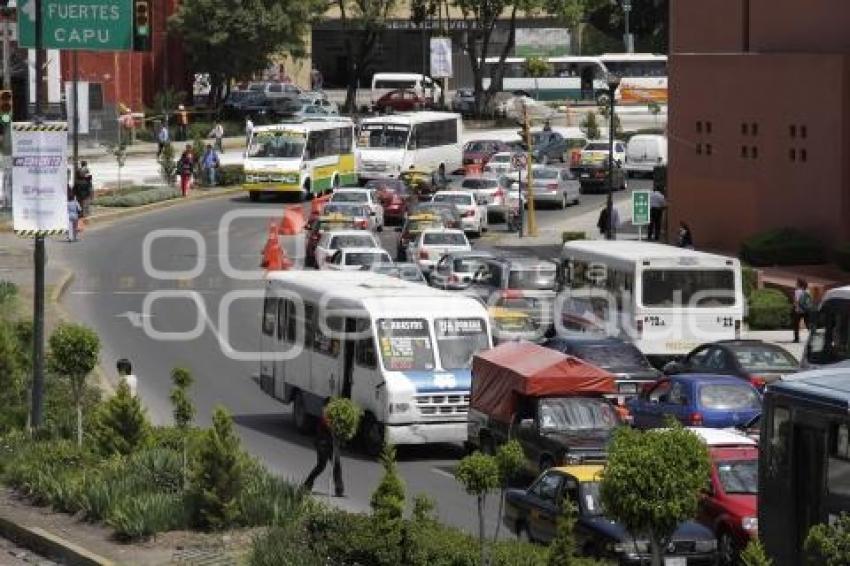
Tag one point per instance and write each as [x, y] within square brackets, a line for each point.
[208, 162]
[657, 206]
[163, 137]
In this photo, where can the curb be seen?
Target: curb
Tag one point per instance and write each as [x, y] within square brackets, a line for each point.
[61, 286]
[50, 545]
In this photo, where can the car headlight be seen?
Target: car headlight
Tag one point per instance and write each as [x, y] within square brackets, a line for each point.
[705, 545]
[399, 407]
[750, 524]
[632, 547]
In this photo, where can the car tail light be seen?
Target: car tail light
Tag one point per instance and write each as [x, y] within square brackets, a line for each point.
[552, 186]
[512, 294]
[453, 278]
[361, 224]
[499, 194]
[695, 419]
[468, 213]
[758, 381]
[423, 254]
[600, 174]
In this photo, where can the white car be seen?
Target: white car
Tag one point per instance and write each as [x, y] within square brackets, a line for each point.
[361, 196]
[500, 163]
[645, 153]
[490, 191]
[473, 215]
[330, 242]
[319, 100]
[356, 259]
[596, 152]
[432, 245]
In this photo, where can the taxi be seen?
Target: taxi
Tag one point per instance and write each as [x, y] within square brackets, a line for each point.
[326, 223]
[413, 226]
[420, 181]
[510, 324]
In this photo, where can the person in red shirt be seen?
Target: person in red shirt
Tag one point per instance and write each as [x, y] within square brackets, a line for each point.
[324, 453]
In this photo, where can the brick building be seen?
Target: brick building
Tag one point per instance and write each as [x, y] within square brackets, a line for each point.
[759, 118]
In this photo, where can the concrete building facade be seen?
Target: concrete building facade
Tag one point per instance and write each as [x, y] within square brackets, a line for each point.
[759, 118]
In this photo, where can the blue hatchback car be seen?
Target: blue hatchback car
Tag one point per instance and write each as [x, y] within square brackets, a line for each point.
[714, 401]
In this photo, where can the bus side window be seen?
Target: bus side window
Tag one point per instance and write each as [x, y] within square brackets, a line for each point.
[269, 315]
[309, 325]
[290, 321]
[365, 355]
[322, 341]
[282, 312]
[780, 440]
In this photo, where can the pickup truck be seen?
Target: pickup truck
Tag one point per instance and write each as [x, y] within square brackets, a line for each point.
[554, 404]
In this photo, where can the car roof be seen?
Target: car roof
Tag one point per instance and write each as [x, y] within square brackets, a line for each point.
[582, 472]
[715, 437]
[829, 386]
[470, 253]
[370, 249]
[441, 231]
[456, 192]
[698, 378]
[349, 233]
[352, 190]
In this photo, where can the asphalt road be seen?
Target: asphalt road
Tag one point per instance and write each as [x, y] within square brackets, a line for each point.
[125, 266]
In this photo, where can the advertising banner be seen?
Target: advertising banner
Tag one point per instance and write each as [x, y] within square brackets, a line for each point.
[441, 57]
[40, 178]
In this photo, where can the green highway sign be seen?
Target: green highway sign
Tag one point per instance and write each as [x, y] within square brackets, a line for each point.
[640, 208]
[92, 25]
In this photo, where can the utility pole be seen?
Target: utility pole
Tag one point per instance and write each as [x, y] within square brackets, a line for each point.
[7, 78]
[40, 255]
[532, 219]
[627, 8]
[75, 70]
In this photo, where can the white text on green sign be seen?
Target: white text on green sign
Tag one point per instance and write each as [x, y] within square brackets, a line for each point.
[96, 25]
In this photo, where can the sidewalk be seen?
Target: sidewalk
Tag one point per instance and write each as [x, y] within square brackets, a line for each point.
[100, 152]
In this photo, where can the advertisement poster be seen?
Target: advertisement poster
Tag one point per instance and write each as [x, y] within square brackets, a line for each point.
[542, 42]
[40, 178]
[441, 57]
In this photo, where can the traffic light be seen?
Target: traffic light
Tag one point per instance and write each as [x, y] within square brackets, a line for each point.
[142, 26]
[5, 106]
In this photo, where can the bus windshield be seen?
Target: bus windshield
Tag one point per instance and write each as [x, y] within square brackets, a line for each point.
[702, 288]
[405, 344]
[386, 136]
[280, 145]
[459, 339]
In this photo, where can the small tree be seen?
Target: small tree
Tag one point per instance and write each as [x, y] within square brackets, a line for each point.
[618, 126]
[183, 410]
[563, 548]
[510, 459]
[590, 126]
[537, 67]
[479, 475]
[344, 420]
[74, 351]
[754, 554]
[423, 508]
[829, 545]
[654, 109]
[216, 475]
[388, 498]
[653, 482]
[121, 424]
[167, 164]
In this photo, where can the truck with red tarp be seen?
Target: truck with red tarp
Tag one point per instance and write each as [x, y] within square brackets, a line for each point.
[554, 404]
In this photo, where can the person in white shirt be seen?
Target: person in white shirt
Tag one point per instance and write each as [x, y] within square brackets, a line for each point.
[125, 372]
[249, 129]
[657, 204]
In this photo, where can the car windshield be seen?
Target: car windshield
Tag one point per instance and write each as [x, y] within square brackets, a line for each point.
[729, 396]
[349, 196]
[577, 413]
[416, 226]
[539, 138]
[599, 146]
[365, 258]
[405, 344]
[440, 208]
[756, 357]
[614, 355]
[463, 200]
[444, 239]
[500, 159]
[532, 279]
[739, 476]
[466, 264]
[478, 146]
[546, 173]
[701, 288]
[335, 224]
[458, 339]
[388, 136]
[351, 241]
[475, 184]
[276, 145]
[389, 186]
[591, 499]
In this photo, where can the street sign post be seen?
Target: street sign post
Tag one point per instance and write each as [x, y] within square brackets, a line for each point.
[640, 209]
[93, 25]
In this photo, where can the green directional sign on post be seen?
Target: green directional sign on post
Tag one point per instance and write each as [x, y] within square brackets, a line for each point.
[92, 25]
[640, 208]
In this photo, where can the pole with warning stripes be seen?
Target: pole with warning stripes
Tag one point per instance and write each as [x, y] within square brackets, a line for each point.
[40, 255]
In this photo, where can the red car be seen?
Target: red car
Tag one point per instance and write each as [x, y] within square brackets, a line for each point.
[394, 195]
[402, 101]
[729, 506]
[479, 152]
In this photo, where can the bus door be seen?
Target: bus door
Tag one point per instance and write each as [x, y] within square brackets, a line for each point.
[349, 345]
[809, 478]
[587, 76]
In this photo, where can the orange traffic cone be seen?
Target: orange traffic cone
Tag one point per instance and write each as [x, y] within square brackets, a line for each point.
[285, 262]
[317, 206]
[293, 221]
[271, 251]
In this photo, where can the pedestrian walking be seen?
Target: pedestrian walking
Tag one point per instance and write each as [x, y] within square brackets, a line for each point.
[83, 188]
[162, 139]
[125, 372]
[182, 123]
[657, 204]
[209, 165]
[602, 222]
[249, 129]
[185, 168]
[686, 237]
[324, 454]
[802, 309]
[316, 80]
[217, 133]
[74, 211]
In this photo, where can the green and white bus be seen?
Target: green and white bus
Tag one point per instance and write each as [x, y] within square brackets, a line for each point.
[310, 157]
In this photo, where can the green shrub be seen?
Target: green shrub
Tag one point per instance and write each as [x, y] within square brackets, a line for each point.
[749, 280]
[284, 546]
[157, 469]
[841, 256]
[769, 310]
[147, 514]
[268, 500]
[784, 246]
[231, 175]
[121, 425]
[8, 292]
[138, 198]
[570, 236]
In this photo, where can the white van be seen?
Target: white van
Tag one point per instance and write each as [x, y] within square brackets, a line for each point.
[645, 152]
[424, 86]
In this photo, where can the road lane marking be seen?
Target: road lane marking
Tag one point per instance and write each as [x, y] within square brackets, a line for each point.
[443, 473]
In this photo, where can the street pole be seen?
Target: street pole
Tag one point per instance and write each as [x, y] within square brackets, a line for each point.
[612, 89]
[75, 69]
[39, 255]
[521, 208]
[532, 220]
[627, 8]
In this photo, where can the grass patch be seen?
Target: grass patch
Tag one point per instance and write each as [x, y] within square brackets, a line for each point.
[137, 196]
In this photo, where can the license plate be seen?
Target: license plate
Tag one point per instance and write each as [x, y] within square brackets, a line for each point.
[675, 562]
[585, 175]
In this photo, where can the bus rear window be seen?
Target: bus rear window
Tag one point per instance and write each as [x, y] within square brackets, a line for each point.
[405, 344]
[395, 84]
[702, 288]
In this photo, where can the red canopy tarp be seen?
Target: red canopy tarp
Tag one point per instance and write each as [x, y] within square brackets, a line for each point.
[522, 368]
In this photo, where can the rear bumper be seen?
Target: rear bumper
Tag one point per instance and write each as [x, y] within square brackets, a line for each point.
[546, 196]
[642, 167]
[707, 559]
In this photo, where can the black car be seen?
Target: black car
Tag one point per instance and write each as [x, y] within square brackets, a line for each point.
[548, 147]
[594, 178]
[533, 514]
[463, 101]
[756, 361]
[623, 359]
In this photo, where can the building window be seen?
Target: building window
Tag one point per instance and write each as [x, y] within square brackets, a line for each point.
[708, 149]
[754, 128]
[744, 129]
[803, 132]
[803, 155]
[744, 151]
[699, 149]
[793, 130]
[95, 97]
[792, 155]
[708, 127]
[699, 127]
[754, 152]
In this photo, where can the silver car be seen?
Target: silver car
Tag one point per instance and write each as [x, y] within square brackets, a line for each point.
[457, 271]
[490, 191]
[554, 185]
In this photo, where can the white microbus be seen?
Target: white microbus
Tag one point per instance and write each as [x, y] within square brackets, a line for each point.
[402, 351]
[390, 145]
[309, 156]
[423, 85]
[643, 77]
[829, 339]
[668, 300]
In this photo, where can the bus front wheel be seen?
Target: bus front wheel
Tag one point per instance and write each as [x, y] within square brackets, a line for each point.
[304, 422]
[373, 436]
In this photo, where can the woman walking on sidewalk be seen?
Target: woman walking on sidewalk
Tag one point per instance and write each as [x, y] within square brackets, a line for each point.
[185, 168]
[74, 210]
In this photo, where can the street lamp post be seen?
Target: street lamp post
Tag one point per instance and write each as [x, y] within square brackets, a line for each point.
[613, 81]
[627, 8]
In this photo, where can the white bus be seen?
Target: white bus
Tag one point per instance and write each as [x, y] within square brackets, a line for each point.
[390, 145]
[643, 78]
[423, 85]
[402, 351]
[668, 300]
[310, 157]
[829, 339]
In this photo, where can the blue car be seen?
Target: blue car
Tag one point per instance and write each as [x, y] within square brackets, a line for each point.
[714, 401]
